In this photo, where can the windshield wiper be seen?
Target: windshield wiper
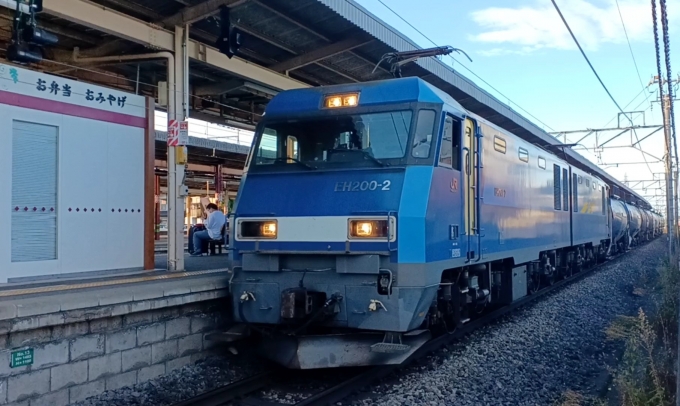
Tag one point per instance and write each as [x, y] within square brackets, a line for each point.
[374, 159]
[364, 153]
[282, 159]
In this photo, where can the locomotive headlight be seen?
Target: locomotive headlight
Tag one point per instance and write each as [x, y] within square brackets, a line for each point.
[368, 228]
[364, 229]
[258, 229]
[269, 229]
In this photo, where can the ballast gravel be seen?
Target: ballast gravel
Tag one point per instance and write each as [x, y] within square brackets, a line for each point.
[530, 357]
[191, 380]
[536, 354]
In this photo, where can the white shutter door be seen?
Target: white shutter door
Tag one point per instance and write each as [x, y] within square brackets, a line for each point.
[34, 192]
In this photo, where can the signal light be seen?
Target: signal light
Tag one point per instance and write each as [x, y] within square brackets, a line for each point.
[229, 40]
[342, 100]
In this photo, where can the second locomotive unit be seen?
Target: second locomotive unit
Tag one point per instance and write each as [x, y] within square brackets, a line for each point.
[372, 216]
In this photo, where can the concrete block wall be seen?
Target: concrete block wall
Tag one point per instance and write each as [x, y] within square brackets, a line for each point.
[76, 360]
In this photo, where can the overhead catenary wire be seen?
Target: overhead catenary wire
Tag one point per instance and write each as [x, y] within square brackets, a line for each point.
[667, 52]
[465, 67]
[625, 31]
[586, 57]
[557, 8]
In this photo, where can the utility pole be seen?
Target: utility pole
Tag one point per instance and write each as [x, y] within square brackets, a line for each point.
[670, 211]
[669, 125]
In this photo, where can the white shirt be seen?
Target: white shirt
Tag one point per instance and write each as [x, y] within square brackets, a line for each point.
[214, 224]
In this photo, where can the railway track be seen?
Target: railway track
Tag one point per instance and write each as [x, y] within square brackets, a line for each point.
[242, 392]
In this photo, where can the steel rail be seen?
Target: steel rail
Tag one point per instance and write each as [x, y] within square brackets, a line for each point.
[347, 388]
[243, 388]
[231, 391]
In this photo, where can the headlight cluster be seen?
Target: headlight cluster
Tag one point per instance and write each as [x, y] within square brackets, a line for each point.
[356, 229]
[259, 229]
[368, 228]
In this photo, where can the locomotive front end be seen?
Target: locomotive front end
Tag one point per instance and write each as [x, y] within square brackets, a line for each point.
[318, 225]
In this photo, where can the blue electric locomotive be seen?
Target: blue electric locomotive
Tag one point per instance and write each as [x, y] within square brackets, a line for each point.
[371, 216]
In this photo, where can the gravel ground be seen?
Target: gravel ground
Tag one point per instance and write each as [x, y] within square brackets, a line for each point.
[530, 357]
[534, 355]
[181, 384]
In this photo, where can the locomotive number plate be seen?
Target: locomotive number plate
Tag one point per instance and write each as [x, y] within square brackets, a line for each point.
[362, 186]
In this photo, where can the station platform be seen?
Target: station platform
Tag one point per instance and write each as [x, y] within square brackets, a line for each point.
[204, 273]
[65, 339]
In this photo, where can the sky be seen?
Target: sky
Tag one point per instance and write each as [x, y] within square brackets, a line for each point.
[523, 49]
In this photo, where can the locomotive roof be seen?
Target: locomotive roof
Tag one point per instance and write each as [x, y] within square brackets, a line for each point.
[379, 92]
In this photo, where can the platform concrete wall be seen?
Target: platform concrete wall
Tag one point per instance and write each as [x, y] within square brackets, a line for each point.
[85, 351]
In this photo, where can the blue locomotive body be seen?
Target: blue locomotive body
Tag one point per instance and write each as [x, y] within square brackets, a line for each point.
[369, 214]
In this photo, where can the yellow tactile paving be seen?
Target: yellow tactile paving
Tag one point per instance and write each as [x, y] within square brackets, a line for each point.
[57, 288]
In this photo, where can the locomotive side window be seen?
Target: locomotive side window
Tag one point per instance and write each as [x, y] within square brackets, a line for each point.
[449, 153]
[292, 148]
[445, 152]
[603, 202]
[565, 189]
[541, 162]
[574, 192]
[558, 186]
[523, 155]
[455, 145]
[422, 139]
[499, 144]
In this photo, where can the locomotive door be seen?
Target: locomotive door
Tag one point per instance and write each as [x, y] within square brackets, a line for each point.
[470, 178]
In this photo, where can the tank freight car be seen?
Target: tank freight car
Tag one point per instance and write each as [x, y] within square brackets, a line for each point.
[373, 216]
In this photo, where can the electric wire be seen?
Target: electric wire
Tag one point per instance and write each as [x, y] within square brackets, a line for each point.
[658, 62]
[596, 74]
[466, 68]
[667, 51]
[663, 111]
[586, 57]
[625, 31]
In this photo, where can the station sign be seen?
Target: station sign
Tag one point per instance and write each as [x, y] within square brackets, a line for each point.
[183, 133]
[178, 133]
[22, 358]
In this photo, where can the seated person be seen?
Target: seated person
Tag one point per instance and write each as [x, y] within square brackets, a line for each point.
[213, 226]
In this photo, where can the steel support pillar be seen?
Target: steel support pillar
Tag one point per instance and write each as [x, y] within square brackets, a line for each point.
[176, 172]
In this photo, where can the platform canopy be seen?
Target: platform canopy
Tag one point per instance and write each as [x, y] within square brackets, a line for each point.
[286, 44]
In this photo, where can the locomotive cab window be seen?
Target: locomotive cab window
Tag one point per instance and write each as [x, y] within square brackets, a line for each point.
[423, 135]
[352, 140]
